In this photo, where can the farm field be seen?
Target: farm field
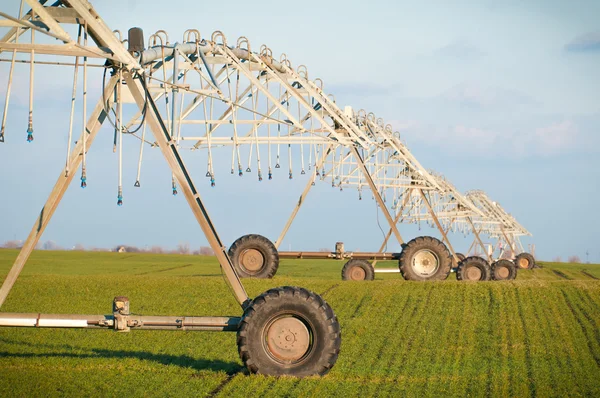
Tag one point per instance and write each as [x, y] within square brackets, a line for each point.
[536, 336]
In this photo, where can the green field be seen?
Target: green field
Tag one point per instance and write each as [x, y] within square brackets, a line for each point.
[536, 336]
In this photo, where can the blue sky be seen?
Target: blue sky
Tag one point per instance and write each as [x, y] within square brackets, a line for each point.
[502, 96]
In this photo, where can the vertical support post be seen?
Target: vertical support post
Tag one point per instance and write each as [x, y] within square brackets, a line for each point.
[168, 147]
[93, 126]
[378, 198]
[396, 220]
[309, 184]
[439, 226]
[476, 233]
[471, 247]
[508, 242]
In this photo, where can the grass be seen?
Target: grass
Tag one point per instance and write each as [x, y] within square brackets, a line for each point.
[536, 336]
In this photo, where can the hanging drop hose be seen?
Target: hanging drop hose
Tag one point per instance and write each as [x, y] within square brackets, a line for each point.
[10, 79]
[84, 114]
[107, 109]
[31, 73]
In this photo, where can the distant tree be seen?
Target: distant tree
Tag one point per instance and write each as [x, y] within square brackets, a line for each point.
[51, 245]
[557, 259]
[574, 259]
[157, 249]
[206, 251]
[325, 250]
[183, 248]
[12, 244]
[126, 249]
[79, 247]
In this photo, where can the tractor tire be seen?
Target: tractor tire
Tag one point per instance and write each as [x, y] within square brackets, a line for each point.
[504, 270]
[289, 331]
[358, 270]
[254, 256]
[425, 259]
[461, 256]
[473, 269]
[525, 261]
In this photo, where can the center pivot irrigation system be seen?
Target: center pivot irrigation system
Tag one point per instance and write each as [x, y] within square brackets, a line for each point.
[405, 192]
[229, 101]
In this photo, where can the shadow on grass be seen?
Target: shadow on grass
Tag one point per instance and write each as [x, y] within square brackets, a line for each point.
[184, 361]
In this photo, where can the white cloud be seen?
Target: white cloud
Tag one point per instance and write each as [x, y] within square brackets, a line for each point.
[476, 95]
[460, 49]
[551, 139]
[585, 42]
[556, 137]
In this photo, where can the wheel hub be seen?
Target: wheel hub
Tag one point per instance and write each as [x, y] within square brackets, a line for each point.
[288, 339]
[425, 262]
[252, 259]
[473, 274]
[357, 274]
[503, 272]
[523, 263]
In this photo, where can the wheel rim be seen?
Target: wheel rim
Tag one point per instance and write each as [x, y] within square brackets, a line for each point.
[502, 272]
[252, 260]
[287, 339]
[425, 262]
[523, 263]
[473, 273]
[357, 274]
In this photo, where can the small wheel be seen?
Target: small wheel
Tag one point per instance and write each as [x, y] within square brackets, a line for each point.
[358, 270]
[525, 261]
[254, 256]
[289, 331]
[425, 259]
[504, 270]
[473, 269]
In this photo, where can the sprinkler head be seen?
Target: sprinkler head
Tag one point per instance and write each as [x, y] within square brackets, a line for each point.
[83, 182]
[270, 175]
[290, 175]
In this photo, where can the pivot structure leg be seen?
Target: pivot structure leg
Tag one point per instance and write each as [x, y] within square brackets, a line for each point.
[508, 242]
[91, 129]
[378, 198]
[168, 147]
[478, 239]
[439, 226]
[309, 184]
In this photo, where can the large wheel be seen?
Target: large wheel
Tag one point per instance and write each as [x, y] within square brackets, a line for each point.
[289, 331]
[473, 269]
[358, 270]
[254, 256]
[525, 261]
[425, 259]
[504, 270]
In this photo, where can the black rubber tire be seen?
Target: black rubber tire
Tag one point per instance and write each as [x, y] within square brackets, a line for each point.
[525, 261]
[368, 273]
[262, 245]
[282, 303]
[499, 270]
[433, 245]
[462, 273]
